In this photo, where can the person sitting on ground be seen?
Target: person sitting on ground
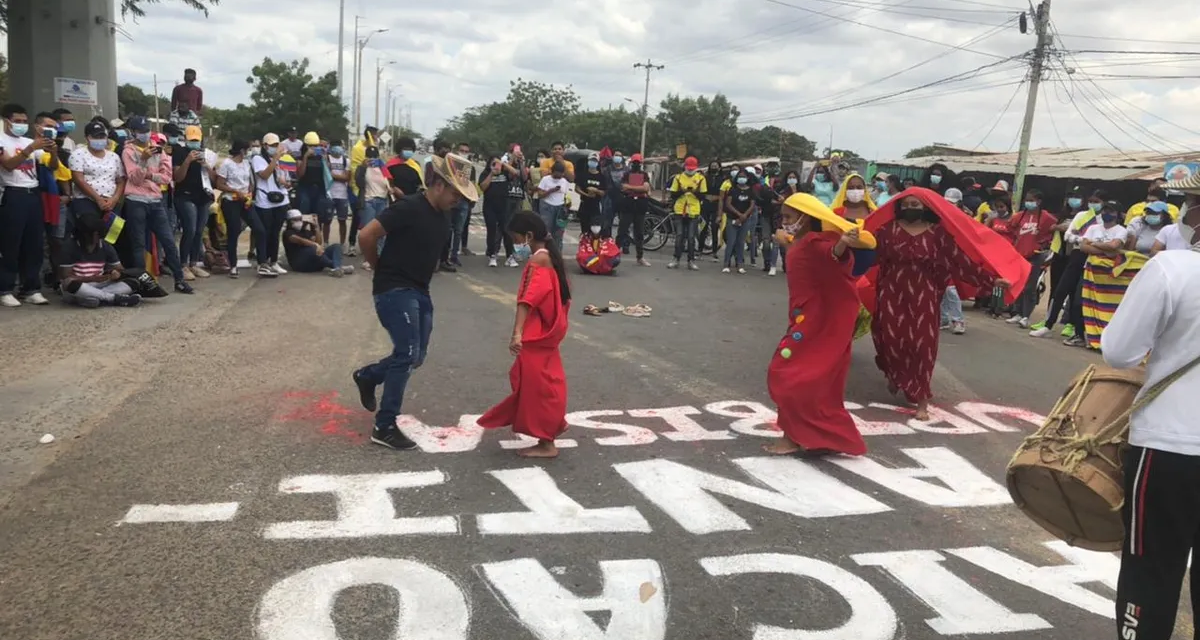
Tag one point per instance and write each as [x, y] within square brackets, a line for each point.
[90, 271]
[304, 246]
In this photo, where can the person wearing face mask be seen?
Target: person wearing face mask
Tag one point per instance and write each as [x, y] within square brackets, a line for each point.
[416, 227]
[313, 179]
[879, 188]
[236, 187]
[1155, 194]
[496, 184]
[537, 406]
[823, 186]
[686, 189]
[407, 178]
[21, 216]
[1107, 273]
[191, 201]
[374, 189]
[271, 203]
[740, 205]
[1144, 229]
[591, 185]
[1034, 230]
[98, 174]
[339, 191]
[938, 177]
[1069, 283]
[1182, 234]
[66, 126]
[852, 201]
[924, 242]
[306, 250]
[147, 170]
[636, 189]
[807, 374]
[710, 209]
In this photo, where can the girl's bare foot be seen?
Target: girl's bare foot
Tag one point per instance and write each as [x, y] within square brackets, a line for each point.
[922, 411]
[893, 389]
[543, 449]
[782, 447]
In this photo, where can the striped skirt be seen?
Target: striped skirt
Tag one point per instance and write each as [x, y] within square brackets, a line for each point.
[1104, 283]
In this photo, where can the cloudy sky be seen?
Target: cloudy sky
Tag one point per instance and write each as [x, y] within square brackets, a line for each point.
[806, 65]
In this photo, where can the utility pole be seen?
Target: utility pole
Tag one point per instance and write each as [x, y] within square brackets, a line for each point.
[354, 61]
[341, 45]
[358, 97]
[648, 66]
[157, 117]
[379, 65]
[1041, 24]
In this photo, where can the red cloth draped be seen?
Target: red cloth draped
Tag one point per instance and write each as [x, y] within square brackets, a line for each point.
[807, 374]
[537, 406]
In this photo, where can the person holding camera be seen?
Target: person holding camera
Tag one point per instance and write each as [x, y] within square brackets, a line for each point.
[147, 171]
[270, 206]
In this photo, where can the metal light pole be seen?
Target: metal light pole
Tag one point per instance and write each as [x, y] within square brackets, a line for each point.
[379, 65]
[354, 61]
[358, 96]
[341, 45]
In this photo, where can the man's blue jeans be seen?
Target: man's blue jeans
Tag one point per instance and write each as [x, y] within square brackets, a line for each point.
[141, 217]
[314, 200]
[193, 216]
[551, 215]
[951, 306]
[735, 241]
[461, 213]
[407, 316]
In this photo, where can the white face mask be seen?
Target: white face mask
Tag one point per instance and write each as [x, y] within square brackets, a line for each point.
[792, 228]
[297, 224]
[855, 195]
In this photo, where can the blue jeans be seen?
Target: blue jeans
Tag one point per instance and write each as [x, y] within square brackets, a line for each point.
[267, 224]
[193, 216]
[143, 219]
[341, 208]
[951, 306]
[461, 213]
[551, 215]
[372, 207]
[22, 232]
[407, 316]
[735, 241]
[314, 199]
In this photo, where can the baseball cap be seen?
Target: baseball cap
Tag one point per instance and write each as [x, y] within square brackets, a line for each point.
[95, 130]
[117, 123]
[312, 139]
[294, 214]
[1158, 206]
[193, 133]
[637, 157]
[270, 139]
[954, 195]
[691, 164]
[138, 124]
[1000, 185]
[593, 156]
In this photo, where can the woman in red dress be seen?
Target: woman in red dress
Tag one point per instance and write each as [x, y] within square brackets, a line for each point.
[537, 406]
[807, 374]
[922, 246]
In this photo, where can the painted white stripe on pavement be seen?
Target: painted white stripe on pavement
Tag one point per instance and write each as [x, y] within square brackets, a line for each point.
[211, 512]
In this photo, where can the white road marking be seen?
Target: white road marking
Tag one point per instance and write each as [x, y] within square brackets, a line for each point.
[210, 512]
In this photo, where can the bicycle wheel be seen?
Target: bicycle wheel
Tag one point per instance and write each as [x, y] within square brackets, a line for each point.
[657, 232]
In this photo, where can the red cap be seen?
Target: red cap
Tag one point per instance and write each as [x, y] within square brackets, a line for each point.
[691, 164]
[637, 157]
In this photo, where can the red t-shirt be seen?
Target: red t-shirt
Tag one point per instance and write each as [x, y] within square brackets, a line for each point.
[1032, 231]
[1003, 226]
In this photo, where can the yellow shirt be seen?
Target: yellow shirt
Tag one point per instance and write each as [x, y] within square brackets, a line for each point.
[688, 202]
[726, 186]
[548, 163]
[358, 155]
[1140, 209]
[62, 174]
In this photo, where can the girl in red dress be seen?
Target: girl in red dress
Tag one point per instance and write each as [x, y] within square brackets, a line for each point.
[807, 374]
[918, 254]
[537, 406]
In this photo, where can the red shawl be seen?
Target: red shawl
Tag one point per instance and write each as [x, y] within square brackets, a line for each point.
[981, 244]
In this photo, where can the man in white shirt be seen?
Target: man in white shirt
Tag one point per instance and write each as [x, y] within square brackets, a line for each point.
[339, 191]
[22, 230]
[1159, 316]
[293, 145]
[552, 191]
[1182, 234]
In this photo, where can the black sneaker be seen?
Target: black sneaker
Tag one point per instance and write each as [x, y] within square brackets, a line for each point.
[131, 300]
[448, 268]
[183, 287]
[392, 439]
[366, 391]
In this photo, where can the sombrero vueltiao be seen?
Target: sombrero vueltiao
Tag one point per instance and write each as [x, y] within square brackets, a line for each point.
[456, 171]
[1190, 184]
[809, 205]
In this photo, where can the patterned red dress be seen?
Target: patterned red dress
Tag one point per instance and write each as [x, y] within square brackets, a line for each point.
[537, 406]
[913, 272]
[807, 374]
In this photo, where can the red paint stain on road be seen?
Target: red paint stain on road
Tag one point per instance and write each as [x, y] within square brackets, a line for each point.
[335, 418]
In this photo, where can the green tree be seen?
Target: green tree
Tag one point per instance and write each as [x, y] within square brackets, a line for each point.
[286, 95]
[533, 114]
[847, 155]
[790, 146]
[135, 8]
[921, 152]
[708, 126]
[615, 128]
[132, 100]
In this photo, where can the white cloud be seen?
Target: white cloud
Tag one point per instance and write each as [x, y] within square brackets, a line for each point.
[775, 62]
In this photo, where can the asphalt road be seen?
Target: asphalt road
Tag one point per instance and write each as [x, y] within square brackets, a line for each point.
[234, 412]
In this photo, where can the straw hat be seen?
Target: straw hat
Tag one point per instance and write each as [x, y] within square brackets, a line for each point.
[1190, 184]
[456, 171]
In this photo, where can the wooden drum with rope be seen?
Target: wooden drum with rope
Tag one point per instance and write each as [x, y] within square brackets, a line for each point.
[1067, 476]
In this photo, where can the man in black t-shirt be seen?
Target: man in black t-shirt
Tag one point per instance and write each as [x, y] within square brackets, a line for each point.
[591, 184]
[417, 228]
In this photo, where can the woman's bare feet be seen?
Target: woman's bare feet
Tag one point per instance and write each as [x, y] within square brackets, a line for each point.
[543, 449]
[782, 447]
[893, 389]
[922, 411]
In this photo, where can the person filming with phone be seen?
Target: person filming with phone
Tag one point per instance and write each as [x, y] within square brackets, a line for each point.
[552, 191]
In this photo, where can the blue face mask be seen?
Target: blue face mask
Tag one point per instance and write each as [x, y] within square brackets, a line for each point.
[935, 179]
[66, 127]
[374, 162]
[142, 138]
[194, 145]
[820, 177]
[20, 128]
[1031, 206]
[618, 159]
[337, 151]
[1094, 206]
[174, 140]
[121, 135]
[98, 144]
[881, 185]
[522, 251]
[271, 151]
[1154, 219]
[742, 180]
[1074, 203]
[793, 182]
[407, 154]
[1109, 218]
[592, 164]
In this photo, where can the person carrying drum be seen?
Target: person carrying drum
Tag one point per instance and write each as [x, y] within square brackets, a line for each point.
[1159, 316]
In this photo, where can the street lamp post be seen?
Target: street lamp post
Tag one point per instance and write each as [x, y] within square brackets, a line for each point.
[360, 45]
[379, 65]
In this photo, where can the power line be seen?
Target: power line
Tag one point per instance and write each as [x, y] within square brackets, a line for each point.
[1003, 112]
[1130, 52]
[893, 11]
[1089, 122]
[1144, 40]
[1053, 124]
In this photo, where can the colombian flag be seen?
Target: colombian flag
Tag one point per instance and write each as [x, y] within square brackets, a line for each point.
[288, 164]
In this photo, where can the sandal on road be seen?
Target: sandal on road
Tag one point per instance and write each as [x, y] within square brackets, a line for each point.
[638, 311]
[615, 307]
[591, 310]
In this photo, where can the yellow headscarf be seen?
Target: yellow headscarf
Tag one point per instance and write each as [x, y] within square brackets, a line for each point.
[809, 205]
[840, 199]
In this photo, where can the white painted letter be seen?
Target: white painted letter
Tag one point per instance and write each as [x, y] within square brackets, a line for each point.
[957, 425]
[632, 591]
[799, 489]
[464, 437]
[686, 429]
[633, 434]
[872, 428]
[298, 607]
[364, 507]
[961, 608]
[968, 486]
[871, 617]
[551, 511]
[753, 418]
[213, 512]
[982, 413]
[520, 441]
[1063, 581]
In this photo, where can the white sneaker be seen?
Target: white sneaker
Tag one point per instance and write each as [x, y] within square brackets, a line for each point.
[1013, 320]
[512, 262]
[200, 271]
[692, 266]
[1023, 323]
[264, 271]
[958, 327]
[492, 261]
[279, 271]
[35, 298]
[772, 272]
[233, 272]
[741, 271]
[1040, 333]
[726, 270]
[351, 251]
[674, 264]
[334, 273]
[347, 269]
[366, 266]
[9, 300]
